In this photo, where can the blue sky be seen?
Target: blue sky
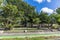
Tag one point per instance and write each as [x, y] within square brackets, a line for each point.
[45, 5]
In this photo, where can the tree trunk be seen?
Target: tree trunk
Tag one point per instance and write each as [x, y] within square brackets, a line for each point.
[31, 25]
[39, 26]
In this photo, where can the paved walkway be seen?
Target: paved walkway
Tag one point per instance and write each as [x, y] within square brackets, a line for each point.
[34, 34]
[29, 33]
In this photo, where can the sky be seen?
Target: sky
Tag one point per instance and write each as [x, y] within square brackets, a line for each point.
[44, 5]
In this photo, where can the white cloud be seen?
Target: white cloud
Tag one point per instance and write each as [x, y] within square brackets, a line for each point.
[39, 1]
[48, 0]
[47, 10]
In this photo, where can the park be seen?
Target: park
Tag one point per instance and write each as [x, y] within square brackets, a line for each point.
[20, 21]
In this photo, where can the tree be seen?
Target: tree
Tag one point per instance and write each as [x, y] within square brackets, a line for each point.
[8, 15]
[58, 18]
[58, 10]
[26, 8]
[44, 17]
[52, 19]
[58, 15]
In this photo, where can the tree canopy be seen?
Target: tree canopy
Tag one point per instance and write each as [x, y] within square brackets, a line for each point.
[18, 12]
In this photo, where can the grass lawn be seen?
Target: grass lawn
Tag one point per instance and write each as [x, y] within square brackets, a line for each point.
[30, 36]
[37, 38]
[33, 38]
